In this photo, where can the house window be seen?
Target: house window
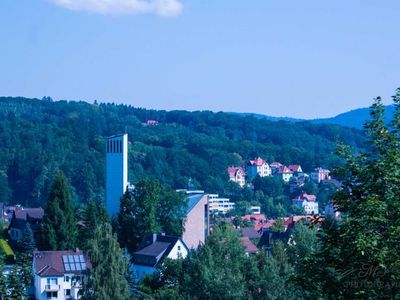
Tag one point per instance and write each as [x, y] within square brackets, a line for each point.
[67, 292]
[66, 278]
[179, 248]
[50, 295]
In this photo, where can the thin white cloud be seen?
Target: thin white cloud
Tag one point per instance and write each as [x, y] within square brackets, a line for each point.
[165, 8]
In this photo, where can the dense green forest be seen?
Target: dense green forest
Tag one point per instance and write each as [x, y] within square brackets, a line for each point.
[40, 136]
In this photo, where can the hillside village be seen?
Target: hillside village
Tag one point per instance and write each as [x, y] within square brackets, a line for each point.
[59, 274]
[266, 222]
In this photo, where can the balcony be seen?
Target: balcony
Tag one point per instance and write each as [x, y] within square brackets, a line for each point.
[52, 287]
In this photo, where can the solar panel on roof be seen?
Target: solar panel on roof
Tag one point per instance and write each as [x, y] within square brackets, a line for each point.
[70, 258]
[83, 266]
[78, 267]
[65, 259]
[81, 259]
[73, 267]
[67, 267]
[76, 258]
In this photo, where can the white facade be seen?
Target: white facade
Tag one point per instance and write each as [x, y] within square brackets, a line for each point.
[57, 287]
[261, 170]
[285, 176]
[116, 171]
[219, 205]
[255, 210]
[310, 207]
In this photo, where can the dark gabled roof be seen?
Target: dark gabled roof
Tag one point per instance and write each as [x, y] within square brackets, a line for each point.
[154, 248]
[29, 213]
[23, 215]
[50, 263]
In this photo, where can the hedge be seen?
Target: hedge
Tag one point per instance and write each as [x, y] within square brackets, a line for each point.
[6, 249]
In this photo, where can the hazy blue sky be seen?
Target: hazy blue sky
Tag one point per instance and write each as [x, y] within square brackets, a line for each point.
[282, 58]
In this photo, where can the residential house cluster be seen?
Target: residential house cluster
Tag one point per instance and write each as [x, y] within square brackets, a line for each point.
[157, 247]
[306, 202]
[290, 174]
[261, 236]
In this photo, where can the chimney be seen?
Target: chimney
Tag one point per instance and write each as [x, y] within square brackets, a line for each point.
[154, 237]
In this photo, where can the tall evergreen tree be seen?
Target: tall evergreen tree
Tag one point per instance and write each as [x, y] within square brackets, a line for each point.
[93, 215]
[28, 243]
[107, 279]
[360, 254]
[59, 228]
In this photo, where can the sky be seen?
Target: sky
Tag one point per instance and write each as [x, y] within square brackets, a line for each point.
[302, 59]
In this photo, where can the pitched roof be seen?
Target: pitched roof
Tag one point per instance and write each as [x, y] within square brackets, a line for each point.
[294, 168]
[51, 263]
[32, 213]
[284, 169]
[193, 200]
[154, 248]
[257, 162]
[234, 170]
[276, 164]
[250, 233]
[305, 196]
[248, 245]
[22, 215]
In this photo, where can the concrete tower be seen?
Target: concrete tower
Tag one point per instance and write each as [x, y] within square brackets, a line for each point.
[116, 171]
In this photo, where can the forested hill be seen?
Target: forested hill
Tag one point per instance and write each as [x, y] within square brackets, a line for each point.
[39, 136]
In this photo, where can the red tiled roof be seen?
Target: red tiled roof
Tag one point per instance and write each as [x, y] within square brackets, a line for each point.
[233, 170]
[294, 168]
[255, 218]
[50, 263]
[306, 196]
[284, 169]
[258, 162]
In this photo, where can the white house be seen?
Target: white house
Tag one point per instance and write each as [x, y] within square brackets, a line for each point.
[307, 202]
[58, 274]
[285, 173]
[153, 250]
[259, 167]
[219, 205]
[238, 175]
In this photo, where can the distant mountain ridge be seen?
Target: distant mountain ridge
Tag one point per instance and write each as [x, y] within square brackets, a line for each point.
[353, 118]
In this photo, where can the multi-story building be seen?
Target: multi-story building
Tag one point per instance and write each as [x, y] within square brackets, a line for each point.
[320, 174]
[219, 205]
[197, 223]
[116, 171]
[307, 202]
[259, 167]
[59, 274]
[238, 175]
